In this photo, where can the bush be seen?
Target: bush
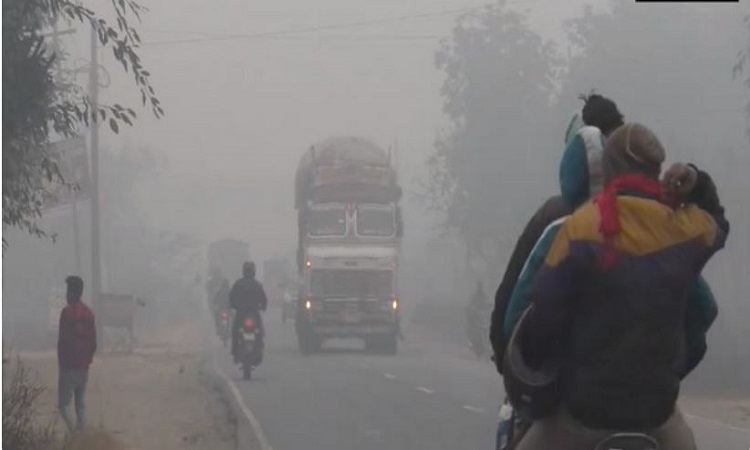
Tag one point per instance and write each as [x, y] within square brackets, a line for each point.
[21, 428]
[20, 410]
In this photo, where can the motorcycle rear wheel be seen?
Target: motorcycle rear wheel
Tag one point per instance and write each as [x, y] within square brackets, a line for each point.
[247, 369]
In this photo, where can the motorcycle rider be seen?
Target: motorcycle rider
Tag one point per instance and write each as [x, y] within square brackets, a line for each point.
[248, 299]
[212, 285]
[612, 297]
[221, 301]
[601, 116]
[581, 177]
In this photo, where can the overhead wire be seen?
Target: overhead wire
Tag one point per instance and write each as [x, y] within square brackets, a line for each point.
[211, 37]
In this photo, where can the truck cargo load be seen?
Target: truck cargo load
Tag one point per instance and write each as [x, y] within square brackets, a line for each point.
[345, 169]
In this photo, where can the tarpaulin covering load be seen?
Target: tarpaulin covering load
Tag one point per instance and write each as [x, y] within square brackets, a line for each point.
[343, 169]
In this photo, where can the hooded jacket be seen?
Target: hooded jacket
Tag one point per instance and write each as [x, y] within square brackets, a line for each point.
[625, 331]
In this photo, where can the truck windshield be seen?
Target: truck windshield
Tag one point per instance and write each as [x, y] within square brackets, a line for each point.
[375, 220]
[351, 283]
[328, 221]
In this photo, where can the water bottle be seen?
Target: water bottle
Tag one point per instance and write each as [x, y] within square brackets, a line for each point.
[504, 426]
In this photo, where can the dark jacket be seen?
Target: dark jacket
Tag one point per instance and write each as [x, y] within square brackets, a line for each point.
[622, 331]
[553, 209]
[247, 296]
[76, 343]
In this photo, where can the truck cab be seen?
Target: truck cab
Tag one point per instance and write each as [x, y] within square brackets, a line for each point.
[349, 292]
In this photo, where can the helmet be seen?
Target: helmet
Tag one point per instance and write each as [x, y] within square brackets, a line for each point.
[248, 269]
[533, 392]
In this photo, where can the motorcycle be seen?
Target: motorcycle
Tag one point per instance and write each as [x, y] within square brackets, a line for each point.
[225, 326]
[250, 346]
[628, 441]
[510, 433]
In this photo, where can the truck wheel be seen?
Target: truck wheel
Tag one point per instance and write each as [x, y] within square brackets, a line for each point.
[247, 368]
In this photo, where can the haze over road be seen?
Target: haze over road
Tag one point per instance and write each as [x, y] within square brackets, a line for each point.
[432, 395]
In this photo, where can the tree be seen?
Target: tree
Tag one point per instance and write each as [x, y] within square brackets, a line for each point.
[39, 102]
[499, 82]
[629, 55]
[140, 258]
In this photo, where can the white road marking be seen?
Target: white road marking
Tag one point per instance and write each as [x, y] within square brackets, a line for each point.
[390, 376]
[264, 445]
[425, 390]
[473, 409]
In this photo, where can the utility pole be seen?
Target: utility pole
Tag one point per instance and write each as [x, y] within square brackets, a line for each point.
[96, 265]
[76, 237]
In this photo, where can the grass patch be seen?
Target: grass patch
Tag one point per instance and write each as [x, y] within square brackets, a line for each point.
[21, 427]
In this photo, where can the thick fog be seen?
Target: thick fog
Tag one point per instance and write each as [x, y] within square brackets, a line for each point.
[248, 86]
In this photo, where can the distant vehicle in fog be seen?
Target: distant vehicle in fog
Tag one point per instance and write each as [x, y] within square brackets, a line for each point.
[350, 231]
[225, 256]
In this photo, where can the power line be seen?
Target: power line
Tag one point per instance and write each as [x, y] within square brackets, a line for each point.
[228, 37]
[345, 37]
[209, 37]
[364, 37]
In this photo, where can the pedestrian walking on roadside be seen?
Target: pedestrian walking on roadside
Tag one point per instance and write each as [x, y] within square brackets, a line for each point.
[76, 345]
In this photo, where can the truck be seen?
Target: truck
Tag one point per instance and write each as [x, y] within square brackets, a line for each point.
[349, 239]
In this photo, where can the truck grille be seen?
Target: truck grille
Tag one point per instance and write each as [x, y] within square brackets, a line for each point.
[353, 312]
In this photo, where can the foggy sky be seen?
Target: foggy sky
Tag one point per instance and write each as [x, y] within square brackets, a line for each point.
[240, 112]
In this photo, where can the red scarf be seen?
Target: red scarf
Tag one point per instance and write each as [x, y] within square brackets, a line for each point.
[607, 203]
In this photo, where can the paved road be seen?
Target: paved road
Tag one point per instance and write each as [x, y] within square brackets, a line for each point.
[430, 396]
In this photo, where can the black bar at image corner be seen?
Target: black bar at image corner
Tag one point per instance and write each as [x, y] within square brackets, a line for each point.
[687, 1]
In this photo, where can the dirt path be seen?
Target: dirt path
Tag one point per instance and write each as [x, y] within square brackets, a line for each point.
[162, 396]
[160, 399]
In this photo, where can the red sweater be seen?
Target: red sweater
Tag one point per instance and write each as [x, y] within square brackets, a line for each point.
[76, 343]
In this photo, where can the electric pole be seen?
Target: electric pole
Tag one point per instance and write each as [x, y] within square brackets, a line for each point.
[76, 238]
[96, 265]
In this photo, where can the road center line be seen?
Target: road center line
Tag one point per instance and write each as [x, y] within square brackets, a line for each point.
[473, 409]
[425, 390]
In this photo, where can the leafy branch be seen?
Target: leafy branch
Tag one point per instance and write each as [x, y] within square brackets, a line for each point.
[38, 99]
